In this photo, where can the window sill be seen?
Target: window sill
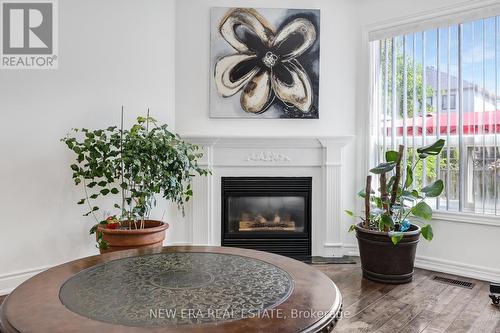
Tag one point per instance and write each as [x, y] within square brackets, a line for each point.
[489, 220]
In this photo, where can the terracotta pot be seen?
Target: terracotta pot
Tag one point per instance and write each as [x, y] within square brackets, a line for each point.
[151, 236]
[381, 260]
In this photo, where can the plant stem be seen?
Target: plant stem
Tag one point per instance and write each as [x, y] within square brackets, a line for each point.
[395, 186]
[413, 172]
[409, 211]
[384, 196]
[121, 164]
[383, 192]
[88, 200]
[368, 191]
[405, 187]
[143, 181]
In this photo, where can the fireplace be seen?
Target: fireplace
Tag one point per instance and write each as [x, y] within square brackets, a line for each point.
[267, 213]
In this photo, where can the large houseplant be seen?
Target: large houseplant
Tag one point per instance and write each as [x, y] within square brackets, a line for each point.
[135, 166]
[387, 239]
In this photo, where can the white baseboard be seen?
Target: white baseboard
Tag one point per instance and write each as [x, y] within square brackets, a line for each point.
[351, 250]
[458, 268]
[10, 281]
[444, 266]
[332, 250]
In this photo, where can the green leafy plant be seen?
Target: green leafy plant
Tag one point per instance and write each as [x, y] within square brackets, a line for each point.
[135, 165]
[396, 201]
[410, 80]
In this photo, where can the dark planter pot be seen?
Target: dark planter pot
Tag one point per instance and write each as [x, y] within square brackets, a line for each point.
[381, 260]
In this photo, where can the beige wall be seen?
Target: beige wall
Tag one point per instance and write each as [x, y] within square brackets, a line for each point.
[112, 52]
[156, 53]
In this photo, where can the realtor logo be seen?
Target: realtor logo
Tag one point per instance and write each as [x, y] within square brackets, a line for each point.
[29, 34]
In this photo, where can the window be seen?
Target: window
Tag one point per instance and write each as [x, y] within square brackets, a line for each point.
[453, 102]
[430, 101]
[456, 71]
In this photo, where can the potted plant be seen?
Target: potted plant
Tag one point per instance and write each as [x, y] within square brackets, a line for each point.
[134, 166]
[387, 239]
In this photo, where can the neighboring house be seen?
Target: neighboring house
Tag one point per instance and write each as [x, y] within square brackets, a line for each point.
[480, 114]
[474, 97]
[481, 130]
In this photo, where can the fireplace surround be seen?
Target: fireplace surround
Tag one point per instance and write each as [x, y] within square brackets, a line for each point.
[317, 158]
[267, 213]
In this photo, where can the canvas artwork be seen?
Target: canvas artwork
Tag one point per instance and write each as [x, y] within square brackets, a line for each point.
[265, 63]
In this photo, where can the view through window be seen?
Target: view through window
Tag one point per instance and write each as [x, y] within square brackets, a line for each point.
[455, 71]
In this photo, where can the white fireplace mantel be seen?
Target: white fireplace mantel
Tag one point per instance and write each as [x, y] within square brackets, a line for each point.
[316, 157]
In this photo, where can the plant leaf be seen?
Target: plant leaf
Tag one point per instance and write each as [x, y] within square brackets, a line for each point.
[391, 156]
[103, 245]
[423, 210]
[432, 149]
[386, 221]
[407, 195]
[390, 184]
[434, 190]
[348, 212]
[423, 156]
[352, 228]
[409, 176]
[362, 193]
[93, 229]
[427, 232]
[396, 237]
[383, 168]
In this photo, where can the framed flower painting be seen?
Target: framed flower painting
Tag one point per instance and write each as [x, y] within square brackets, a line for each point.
[265, 63]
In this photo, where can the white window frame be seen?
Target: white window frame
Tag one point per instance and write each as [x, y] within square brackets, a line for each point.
[419, 22]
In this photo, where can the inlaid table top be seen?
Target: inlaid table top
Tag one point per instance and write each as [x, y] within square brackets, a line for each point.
[175, 289]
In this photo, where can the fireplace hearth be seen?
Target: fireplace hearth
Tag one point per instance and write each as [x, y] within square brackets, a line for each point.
[267, 213]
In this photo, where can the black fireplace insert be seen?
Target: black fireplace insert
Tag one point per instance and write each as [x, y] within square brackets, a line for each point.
[267, 213]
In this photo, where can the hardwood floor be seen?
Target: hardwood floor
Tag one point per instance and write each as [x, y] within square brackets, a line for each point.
[423, 305]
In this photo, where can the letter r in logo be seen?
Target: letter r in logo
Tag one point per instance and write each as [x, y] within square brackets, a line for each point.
[27, 28]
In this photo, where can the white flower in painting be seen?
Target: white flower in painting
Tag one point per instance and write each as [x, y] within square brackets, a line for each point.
[265, 64]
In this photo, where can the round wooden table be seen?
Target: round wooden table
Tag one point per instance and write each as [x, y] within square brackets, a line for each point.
[175, 289]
